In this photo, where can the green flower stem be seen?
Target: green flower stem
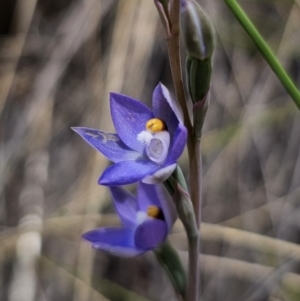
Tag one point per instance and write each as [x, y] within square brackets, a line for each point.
[174, 57]
[172, 37]
[265, 50]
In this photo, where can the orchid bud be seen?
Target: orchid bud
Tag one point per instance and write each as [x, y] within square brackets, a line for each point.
[198, 37]
[198, 74]
[197, 31]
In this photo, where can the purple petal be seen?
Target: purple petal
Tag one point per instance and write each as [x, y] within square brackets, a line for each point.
[177, 145]
[111, 235]
[119, 250]
[129, 117]
[116, 241]
[147, 196]
[127, 172]
[126, 205]
[166, 108]
[150, 234]
[108, 144]
[160, 175]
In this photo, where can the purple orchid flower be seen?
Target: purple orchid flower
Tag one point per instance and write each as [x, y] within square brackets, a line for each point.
[146, 220]
[147, 144]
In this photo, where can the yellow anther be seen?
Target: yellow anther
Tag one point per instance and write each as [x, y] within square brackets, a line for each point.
[154, 212]
[155, 125]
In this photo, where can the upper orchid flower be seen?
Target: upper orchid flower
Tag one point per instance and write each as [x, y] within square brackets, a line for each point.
[147, 144]
[146, 220]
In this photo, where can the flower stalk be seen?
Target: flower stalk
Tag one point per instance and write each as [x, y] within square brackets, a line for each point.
[172, 38]
[198, 36]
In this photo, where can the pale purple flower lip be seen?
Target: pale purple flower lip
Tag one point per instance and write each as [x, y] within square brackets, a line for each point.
[141, 232]
[138, 153]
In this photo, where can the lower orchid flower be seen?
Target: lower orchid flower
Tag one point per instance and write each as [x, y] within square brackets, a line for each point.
[146, 220]
[147, 144]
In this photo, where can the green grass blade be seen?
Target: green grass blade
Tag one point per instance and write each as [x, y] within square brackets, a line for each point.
[265, 50]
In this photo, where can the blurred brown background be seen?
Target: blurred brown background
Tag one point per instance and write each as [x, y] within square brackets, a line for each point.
[59, 60]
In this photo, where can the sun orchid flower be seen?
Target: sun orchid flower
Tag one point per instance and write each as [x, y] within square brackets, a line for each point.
[147, 219]
[147, 144]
